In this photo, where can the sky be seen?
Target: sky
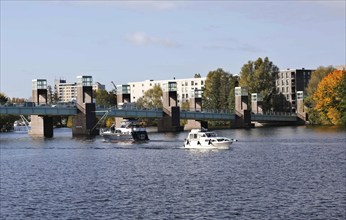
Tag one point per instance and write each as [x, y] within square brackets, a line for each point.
[129, 41]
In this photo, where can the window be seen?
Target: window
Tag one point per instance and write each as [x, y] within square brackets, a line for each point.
[202, 82]
[192, 83]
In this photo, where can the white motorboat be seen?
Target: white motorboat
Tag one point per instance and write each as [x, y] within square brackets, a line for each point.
[203, 139]
[21, 126]
[128, 131]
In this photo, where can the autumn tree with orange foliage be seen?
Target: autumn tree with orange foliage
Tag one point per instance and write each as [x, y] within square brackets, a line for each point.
[329, 98]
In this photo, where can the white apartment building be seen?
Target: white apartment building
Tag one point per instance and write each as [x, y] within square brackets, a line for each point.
[185, 87]
[67, 92]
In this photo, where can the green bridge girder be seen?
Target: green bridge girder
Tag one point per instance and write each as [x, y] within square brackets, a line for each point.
[141, 113]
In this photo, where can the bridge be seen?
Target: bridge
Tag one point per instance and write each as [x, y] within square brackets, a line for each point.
[84, 111]
[51, 110]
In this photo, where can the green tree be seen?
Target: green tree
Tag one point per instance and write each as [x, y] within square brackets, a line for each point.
[6, 121]
[152, 98]
[197, 75]
[50, 95]
[104, 98]
[185, 106]
[219, 86]
[3, 98]
[316, 77]
[260, 76]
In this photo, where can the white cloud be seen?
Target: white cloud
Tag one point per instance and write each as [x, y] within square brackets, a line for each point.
[141, 39]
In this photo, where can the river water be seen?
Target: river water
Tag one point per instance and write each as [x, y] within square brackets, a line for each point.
[270, 173]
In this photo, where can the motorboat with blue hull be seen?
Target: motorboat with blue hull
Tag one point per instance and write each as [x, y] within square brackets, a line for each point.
[128, 131]
[204, 139]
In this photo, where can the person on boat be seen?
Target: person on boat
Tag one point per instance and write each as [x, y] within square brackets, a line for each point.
[113, 128]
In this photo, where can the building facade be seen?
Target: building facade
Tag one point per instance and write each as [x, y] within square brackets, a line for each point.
[67, 92]
[290, 81]
[185, 88]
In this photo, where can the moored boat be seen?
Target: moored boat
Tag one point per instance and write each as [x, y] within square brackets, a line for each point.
[204, 139]
[128, 131]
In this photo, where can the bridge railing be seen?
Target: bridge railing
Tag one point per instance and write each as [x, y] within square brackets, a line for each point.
[277, 113]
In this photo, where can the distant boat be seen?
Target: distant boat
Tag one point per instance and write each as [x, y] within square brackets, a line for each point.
[21, 126]
[203, 139]
[128, 131]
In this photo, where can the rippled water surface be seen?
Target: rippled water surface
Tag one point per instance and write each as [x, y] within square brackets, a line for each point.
[271, 173]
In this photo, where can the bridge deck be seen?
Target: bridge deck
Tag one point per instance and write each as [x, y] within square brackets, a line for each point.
[142, 113]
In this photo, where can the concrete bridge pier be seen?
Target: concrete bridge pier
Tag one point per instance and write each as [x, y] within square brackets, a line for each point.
[171, 118]
[302, 115]
[41, 126]
[243, 115]
[193, 124]
[85, 120]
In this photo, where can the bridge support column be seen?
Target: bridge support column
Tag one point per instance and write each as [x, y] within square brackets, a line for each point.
[171, 118]
[193, 124]
[41, 126]
[85, 121]
[302, 115]
[256, 103]
[196, 105]
[243, 115]
[123, 97]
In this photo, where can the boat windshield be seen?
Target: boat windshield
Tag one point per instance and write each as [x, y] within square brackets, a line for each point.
[210, 134]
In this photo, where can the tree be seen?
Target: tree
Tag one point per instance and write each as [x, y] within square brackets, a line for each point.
[329, 98]
[218, 89]
[152, 98]
[104, 98]
[185, 106]
[3, 98]
[6, 121]
[197, 75]
[259, 76]
[316, 77]
[342, 94]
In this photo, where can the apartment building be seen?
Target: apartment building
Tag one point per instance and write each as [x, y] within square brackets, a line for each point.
[67, 91]
[290, 81]
[186, 88]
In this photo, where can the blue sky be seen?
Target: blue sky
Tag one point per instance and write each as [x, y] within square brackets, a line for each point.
[126, 41]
